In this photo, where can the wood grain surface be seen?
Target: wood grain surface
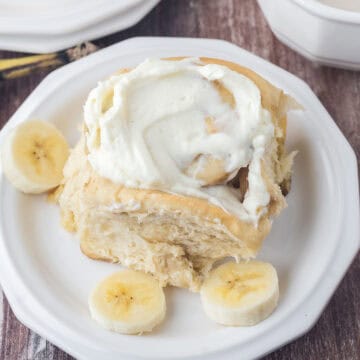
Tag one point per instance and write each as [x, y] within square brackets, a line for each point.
[337, 333]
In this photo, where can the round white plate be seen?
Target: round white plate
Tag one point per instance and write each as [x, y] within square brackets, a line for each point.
[55, 17]
[49, 43]
[47, 279]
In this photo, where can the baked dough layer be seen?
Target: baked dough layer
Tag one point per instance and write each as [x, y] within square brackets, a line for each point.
[177, 238]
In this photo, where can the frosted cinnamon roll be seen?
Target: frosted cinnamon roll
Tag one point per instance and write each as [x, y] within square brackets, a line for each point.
[181, 163]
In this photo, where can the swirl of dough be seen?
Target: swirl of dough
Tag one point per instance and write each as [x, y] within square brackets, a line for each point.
[183, 127]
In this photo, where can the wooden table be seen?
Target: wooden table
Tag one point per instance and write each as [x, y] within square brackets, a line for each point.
[337, 333]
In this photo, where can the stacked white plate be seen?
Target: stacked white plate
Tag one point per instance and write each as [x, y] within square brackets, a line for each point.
[43, 26]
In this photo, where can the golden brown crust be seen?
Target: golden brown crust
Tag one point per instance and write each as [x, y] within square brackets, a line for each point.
[85, 249]
[105, 192]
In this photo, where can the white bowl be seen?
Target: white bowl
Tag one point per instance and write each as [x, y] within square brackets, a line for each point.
[47, 279]
[321, 33]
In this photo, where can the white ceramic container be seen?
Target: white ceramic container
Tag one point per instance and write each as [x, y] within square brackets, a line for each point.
[323, 34]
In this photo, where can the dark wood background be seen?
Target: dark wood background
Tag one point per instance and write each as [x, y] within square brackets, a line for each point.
[337, 333]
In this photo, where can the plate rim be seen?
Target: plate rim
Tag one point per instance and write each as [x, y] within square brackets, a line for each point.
[55, 23]
[303, 326]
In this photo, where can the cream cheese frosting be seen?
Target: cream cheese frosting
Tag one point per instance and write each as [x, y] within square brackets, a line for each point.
[144, 128]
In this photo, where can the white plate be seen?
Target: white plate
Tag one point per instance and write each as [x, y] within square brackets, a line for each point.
[55, 17]
[328, 35]
[47, 280]
[50, 43]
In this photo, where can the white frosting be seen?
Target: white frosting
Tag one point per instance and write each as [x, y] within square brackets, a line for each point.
[155, 127]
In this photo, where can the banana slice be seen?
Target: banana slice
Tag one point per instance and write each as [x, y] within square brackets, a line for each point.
[33, 156]
[240, 294]
[128, 302]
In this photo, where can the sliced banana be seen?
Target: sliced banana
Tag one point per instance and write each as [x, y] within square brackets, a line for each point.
[240, 294]
[128, 302]
[33, 156]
